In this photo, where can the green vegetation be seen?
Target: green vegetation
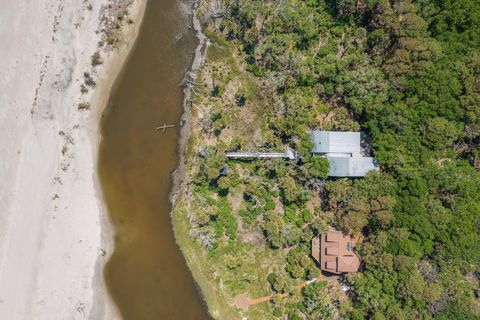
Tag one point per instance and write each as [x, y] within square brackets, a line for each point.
[96, 59]
[83, 106]
[112, 23]
[407, 74]
[83, 89]
[89, 82]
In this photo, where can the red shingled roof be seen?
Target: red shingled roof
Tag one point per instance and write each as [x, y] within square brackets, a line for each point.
[334, 252]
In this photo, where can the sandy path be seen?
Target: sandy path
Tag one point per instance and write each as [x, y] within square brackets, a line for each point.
[243, 301]
[53, 228]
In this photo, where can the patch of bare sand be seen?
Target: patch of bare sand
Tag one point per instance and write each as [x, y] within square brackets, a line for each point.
[54, 234]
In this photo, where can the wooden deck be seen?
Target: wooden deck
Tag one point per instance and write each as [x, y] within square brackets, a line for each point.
[316, 249]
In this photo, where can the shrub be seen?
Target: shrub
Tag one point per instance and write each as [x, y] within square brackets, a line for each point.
[83, 106]
[96, 59]
[89, 80]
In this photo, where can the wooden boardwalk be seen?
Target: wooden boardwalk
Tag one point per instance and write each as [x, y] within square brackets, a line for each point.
[288, 154]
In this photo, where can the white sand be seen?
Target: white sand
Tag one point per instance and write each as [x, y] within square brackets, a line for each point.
[53, 227]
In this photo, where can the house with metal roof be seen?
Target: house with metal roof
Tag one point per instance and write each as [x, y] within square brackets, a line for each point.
[350, 166]
[335, 142]
[342, 150]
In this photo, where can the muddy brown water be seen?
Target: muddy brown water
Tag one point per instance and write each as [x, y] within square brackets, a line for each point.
[147, 276]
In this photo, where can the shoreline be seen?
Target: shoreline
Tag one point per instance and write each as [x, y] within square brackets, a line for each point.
[55, 231]
[179, 175]
[186, 117]
[107, 308]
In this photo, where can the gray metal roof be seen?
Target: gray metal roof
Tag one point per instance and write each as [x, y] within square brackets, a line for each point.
[335, 142]
[350, 166]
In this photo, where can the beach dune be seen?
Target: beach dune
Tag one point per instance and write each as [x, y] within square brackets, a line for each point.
[55, 236]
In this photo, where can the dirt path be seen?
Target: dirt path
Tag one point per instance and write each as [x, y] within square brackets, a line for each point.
[243, 301]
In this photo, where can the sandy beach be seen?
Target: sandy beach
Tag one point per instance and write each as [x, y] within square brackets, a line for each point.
[55, 236]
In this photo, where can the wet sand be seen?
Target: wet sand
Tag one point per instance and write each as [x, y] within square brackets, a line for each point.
[53, 229]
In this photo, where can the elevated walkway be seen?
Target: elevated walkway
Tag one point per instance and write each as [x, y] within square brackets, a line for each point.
[288, 154]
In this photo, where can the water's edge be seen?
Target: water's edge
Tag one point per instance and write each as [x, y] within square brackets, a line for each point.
[132, 172]
[104, 306]
[179, 175]
[186, 118]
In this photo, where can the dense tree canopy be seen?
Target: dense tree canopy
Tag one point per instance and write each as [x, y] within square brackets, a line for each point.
[405, 73]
